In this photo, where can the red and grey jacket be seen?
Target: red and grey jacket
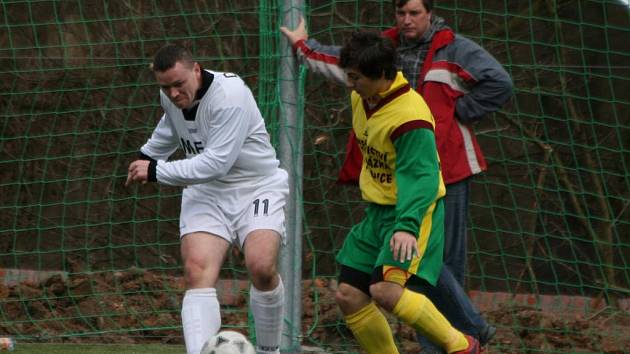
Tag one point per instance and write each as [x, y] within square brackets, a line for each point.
[459, 80]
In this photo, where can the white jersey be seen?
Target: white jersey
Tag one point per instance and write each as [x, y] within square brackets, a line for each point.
[226, 142]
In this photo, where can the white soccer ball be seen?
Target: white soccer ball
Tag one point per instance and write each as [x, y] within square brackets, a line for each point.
[228, 342]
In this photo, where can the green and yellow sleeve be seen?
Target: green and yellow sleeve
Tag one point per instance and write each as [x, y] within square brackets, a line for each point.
[417, 177]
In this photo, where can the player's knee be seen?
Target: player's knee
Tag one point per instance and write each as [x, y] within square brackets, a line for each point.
[262, 273]
[193, 272]
[344, 297]
[376, 291]
[382, 295]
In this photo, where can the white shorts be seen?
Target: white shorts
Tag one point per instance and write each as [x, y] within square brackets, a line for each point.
[233, 212]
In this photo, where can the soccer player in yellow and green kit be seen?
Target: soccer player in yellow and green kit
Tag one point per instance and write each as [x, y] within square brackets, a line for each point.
[401, 238]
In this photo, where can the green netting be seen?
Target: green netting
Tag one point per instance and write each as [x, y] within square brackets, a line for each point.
[85, 259]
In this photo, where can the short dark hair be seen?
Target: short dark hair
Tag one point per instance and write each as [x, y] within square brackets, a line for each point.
[428, 4]
[371, 54]
[167, 56]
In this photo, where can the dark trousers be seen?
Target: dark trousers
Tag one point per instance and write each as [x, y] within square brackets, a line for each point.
[448, 295]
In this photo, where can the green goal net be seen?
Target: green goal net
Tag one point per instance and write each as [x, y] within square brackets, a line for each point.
[85, 259]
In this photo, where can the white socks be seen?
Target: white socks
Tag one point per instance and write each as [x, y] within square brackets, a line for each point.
[201, 317]
[268, 310]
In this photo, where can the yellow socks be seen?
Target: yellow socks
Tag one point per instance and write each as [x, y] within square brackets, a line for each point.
[371, 330]
[419, 312]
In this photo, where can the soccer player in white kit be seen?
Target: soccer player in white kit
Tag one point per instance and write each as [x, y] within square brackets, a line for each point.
[234, 191]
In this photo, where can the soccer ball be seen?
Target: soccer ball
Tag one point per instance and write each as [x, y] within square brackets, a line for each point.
[228, 342]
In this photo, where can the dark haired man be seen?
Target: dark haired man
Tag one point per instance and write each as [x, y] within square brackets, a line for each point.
[234, 191]
[401, 236]
[461, 83]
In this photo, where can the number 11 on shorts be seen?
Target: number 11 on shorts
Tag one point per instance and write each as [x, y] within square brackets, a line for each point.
[265, 204]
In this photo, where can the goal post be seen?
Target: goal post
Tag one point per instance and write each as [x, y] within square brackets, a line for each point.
[290, 150]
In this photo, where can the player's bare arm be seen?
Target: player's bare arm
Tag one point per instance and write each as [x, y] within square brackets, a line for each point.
[403, 245]
[138, 171]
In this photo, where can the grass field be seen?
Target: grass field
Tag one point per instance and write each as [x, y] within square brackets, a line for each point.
[29, 348]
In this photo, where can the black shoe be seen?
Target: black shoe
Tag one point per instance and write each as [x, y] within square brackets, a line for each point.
[487, 334]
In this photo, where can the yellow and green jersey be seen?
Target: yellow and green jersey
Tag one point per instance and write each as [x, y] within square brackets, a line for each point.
[396, 138]
[401, 177]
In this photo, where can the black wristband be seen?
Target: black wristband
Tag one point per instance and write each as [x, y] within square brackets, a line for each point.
[152, 173]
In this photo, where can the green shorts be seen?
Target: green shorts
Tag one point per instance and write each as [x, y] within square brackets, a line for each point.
[367, 245]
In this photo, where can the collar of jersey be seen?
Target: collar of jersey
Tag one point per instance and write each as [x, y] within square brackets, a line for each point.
[397, 88]
[206, 81]
[399, 82]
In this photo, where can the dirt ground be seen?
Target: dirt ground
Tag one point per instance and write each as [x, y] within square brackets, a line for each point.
[142, 307]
